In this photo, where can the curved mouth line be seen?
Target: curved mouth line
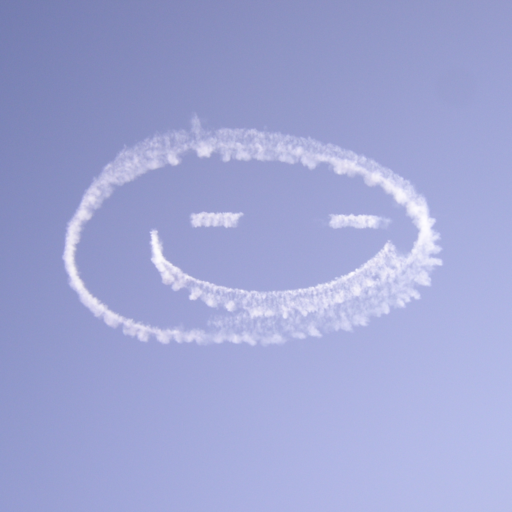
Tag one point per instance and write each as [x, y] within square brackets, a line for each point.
[233, 298]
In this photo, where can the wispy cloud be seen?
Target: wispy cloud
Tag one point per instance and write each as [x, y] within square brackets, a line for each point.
[358, 221]
[388, 280]
[206, 220]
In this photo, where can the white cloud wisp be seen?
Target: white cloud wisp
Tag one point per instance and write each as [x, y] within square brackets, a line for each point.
[387, 280]
[358, 221]
[216, 220]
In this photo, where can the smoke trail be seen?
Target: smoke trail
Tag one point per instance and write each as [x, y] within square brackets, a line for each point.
[358, 221]
[225, 219]
[387, 280]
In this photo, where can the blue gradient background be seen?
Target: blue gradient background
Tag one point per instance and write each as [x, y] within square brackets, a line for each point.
[412, 413]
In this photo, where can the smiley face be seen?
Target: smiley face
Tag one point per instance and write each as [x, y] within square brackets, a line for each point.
[387, 280]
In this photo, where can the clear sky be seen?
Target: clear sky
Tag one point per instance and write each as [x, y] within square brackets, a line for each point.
[410, 413]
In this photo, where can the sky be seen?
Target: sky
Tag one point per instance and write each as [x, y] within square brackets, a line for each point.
[411, 412]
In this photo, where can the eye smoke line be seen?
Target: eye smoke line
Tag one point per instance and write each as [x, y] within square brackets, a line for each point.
[206, 220]
[358, 221]
[387, 280]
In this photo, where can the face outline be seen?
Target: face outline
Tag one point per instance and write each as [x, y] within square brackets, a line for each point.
[386, 280]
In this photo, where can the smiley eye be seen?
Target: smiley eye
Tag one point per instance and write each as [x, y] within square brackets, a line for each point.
[207, 220]
[358, 221]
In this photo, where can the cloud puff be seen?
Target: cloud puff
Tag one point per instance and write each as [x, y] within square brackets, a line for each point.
[387, 280]
[358, 221]
[225, 219]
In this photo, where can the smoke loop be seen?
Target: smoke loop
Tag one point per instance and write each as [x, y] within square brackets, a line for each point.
[387, 280]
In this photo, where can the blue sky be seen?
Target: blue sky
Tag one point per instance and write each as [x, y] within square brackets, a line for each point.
[411, 412]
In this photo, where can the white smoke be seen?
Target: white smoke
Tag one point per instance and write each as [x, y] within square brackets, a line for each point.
[224, 219]
[387, 280]
[358, 221]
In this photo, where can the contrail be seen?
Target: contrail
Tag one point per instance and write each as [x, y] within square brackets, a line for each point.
[358, 221]
[206, 220]
[387, 280]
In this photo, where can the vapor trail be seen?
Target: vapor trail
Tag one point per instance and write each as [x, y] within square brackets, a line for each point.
[206, 220]
[358, 221]
[387, 280]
